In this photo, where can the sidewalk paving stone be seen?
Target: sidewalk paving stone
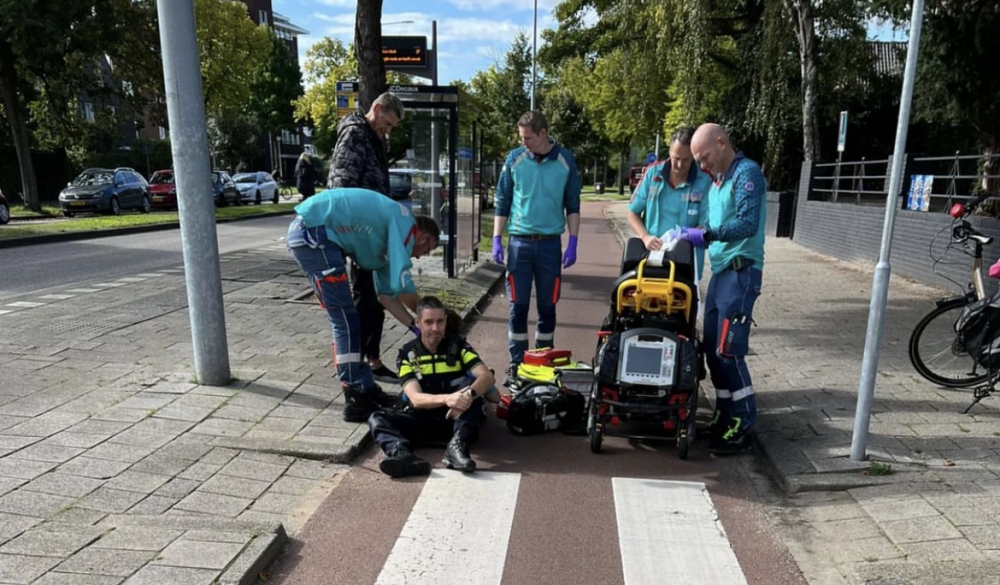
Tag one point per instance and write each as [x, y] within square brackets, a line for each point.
[110, 376]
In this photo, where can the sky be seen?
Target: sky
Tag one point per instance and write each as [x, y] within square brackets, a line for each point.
[472, 34]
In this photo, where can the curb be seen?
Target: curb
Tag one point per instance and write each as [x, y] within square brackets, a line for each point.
[485, 275]
[89, 235]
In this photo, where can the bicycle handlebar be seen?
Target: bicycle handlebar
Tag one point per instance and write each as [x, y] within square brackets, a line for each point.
[960, 210]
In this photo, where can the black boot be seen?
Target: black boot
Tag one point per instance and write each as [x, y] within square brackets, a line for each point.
[402, 463]
[380, 398]
[358, 407]
[456, 455]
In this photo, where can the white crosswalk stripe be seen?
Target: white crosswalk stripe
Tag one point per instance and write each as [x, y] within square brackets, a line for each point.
[672, 528]
[459, 528]
[457, 532]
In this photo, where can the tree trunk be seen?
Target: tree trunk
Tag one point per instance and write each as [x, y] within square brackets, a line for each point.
[18, 126]
[368, 51]
[622, 171]
[805, 31]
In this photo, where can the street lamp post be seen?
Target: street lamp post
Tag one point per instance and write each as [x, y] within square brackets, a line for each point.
[534, 56]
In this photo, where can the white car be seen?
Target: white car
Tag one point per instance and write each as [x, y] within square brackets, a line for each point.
[256, 187]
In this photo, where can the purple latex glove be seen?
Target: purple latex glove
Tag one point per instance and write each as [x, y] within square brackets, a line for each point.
[414, 329]
[498, 250]
[696, 236]
[569, 256]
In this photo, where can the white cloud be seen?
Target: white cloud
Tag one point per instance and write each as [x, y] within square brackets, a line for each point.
[339, 3]
[505, 5]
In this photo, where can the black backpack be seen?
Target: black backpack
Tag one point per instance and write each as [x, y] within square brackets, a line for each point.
[979, 325]
[541, 407]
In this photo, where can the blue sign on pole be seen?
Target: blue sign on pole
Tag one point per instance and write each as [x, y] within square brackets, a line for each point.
[464, 153]
[650, 158]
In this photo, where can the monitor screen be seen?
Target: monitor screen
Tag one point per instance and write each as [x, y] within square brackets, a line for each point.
[643, 360]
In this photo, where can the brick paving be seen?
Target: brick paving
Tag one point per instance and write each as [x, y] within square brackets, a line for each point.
[116, 466]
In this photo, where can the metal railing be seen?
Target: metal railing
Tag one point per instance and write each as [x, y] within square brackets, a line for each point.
[952, 179]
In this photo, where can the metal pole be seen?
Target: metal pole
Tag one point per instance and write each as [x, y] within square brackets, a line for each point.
[435, 147]
[657, 150]
[880, 285]
[534, 55]
[189, 145]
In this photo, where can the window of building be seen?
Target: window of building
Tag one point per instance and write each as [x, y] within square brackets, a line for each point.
[163, 133]
[88, 111]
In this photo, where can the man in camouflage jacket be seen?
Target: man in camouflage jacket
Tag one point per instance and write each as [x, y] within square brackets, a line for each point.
[360, 161]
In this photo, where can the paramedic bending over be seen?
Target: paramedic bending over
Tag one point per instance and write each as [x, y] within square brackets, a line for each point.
[671, 193]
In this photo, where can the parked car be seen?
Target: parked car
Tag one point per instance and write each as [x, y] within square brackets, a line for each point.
[417, 185]
[105, 191]
[634, 176]
[224, 189]
[4, 209]
[162, 190]
[256, 187]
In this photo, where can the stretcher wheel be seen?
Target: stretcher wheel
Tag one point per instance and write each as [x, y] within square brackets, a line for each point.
[596, 437]
[686, 436]
[594, 429]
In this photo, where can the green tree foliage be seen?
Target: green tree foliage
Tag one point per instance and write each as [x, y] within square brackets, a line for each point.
[50, 46]
[327, 62]
[233, 51]
[276, 87]
[503, 92]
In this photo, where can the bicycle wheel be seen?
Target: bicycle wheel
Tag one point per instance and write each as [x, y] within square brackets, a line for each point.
[938, 353]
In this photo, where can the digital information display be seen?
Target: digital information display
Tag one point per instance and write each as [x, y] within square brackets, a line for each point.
[404, 52]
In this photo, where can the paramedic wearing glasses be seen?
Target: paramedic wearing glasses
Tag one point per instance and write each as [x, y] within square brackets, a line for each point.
[538, 196]
[734, 235]
[380, 235]
[672, 193]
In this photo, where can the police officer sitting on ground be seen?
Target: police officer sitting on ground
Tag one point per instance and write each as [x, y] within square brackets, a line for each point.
[439, 400]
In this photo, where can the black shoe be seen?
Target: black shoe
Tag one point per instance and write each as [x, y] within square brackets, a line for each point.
[384, 374]
[403, 463]
[380, 398]
[357, 407]
[456, 456]
[736, 439]
[510, 382]
[718, 426]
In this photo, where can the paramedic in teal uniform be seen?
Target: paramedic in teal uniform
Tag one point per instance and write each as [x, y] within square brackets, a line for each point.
[734, 235]
[537, 199]
[380, 235]
[672, 194]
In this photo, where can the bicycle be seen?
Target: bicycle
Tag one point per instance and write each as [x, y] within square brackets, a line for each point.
[937, 348]
[287, 190]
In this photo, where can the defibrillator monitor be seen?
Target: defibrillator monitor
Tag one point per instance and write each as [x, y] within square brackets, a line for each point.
[648, 360]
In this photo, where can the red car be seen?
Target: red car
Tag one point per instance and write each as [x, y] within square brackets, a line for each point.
[162, 190]
[4, 209]
[634, 176]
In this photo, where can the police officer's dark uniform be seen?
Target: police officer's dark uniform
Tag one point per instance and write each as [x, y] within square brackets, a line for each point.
[444, 372]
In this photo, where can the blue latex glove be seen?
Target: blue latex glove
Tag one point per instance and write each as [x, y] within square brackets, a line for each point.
[498, 250]
[694, 235]
[569, 256]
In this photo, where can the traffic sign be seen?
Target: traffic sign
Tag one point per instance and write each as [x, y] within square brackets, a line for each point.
[650, 158]
[464, 153]
[842, 134]
[347, 97]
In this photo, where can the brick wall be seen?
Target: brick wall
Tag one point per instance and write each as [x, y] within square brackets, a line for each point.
[854, 233]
